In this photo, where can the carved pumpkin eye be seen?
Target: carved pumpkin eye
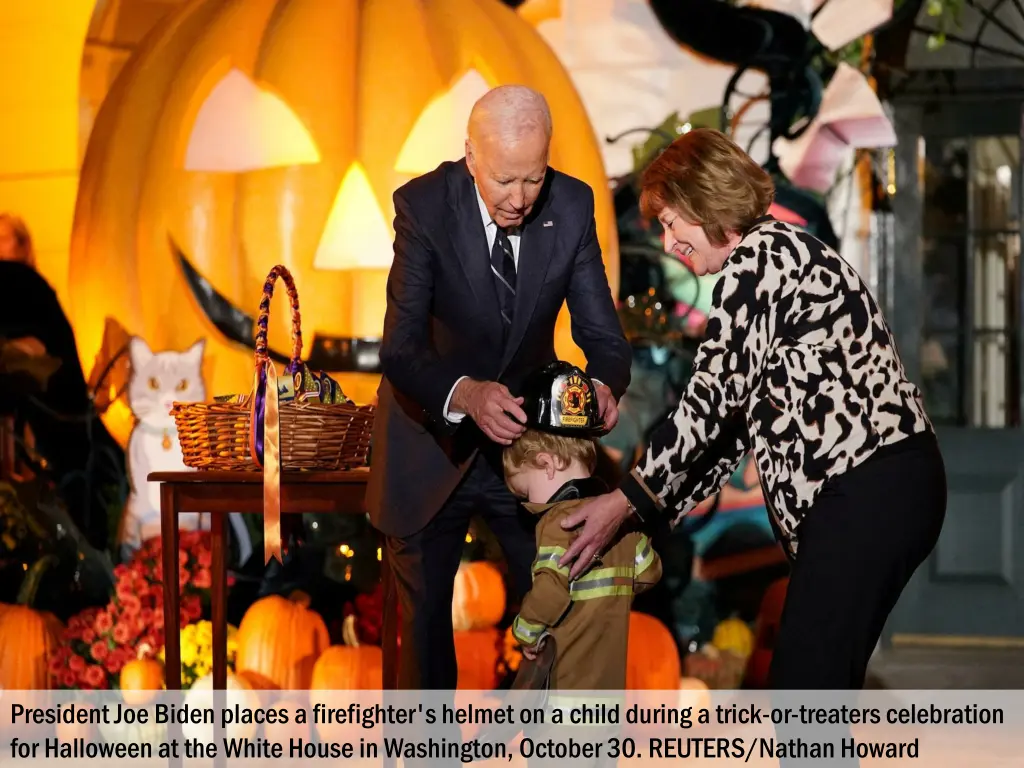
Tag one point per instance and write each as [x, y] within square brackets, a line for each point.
[182, 385]
[243, 127]
[439, 133]
[153, 383]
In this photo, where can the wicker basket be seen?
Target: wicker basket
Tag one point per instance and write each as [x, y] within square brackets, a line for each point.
[314, 436]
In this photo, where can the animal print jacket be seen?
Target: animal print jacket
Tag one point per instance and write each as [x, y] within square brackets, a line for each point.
[797, 364]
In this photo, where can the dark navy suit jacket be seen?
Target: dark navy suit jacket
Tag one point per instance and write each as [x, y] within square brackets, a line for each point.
[443, 322]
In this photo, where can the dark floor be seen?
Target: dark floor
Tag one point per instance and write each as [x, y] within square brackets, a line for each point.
[923, 668]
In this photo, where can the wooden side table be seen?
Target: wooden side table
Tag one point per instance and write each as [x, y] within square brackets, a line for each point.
[221, 492]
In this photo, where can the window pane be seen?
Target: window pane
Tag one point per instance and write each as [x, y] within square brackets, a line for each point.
[993, 385]
[990, 403]
[941, 373]
[945, 186]
[945, 267]
[971, 249]
[994, 180]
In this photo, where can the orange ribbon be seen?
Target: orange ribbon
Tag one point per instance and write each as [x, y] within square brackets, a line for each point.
[271, 464]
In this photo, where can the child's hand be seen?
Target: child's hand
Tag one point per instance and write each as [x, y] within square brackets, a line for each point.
[532, 651]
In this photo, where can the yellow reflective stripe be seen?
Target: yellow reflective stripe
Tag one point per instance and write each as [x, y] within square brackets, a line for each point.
[603, 582]
[548, 557]
[595, 592]
[597, 574]
[644, 554]
[527, 633]
[554, 550]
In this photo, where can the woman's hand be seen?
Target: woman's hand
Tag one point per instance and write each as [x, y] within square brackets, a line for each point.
[601, 517]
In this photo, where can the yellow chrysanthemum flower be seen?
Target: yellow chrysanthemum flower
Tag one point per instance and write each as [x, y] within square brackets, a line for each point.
[204, 633]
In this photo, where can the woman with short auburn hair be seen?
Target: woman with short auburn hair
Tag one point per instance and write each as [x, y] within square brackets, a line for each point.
[707, 179]
[799, 366]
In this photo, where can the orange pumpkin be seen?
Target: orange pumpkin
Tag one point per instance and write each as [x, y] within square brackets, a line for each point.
[476, 653]
[346, 668]
[255, 681]
[652, 658]
[478, 601]
[27, 637]
[280, 639]
[246, 134]
[141, 677]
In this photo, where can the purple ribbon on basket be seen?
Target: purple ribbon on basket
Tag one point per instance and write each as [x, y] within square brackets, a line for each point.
[269, 391]
[261, 407]
[265, 422]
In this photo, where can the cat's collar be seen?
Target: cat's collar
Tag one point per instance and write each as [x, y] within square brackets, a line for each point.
[141, 425]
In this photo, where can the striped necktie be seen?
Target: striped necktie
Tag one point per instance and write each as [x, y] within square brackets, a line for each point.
[503, 265]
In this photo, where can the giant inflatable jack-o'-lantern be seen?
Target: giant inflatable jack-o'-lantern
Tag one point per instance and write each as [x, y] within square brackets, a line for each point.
[247, 133]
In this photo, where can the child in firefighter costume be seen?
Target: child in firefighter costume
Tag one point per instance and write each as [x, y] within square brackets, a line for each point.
[550, 467]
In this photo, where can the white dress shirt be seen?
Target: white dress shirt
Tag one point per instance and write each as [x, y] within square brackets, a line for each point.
[491, 230]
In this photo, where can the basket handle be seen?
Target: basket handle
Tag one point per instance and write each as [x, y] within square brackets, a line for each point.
[262, 350]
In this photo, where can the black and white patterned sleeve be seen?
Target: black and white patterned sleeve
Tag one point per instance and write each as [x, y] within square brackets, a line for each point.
[694, 452]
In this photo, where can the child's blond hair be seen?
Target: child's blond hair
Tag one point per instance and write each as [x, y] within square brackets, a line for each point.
[564, 449]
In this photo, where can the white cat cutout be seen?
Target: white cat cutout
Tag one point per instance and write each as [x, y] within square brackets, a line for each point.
[158, 379]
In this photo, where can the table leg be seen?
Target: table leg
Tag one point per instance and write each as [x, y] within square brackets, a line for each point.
[172, 609]
[218, 599]
[169, 546]
[219, 619]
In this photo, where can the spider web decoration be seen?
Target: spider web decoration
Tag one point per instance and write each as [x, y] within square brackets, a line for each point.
[986, 33]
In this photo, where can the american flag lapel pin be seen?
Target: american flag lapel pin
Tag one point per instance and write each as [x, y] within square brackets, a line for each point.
[549, 223]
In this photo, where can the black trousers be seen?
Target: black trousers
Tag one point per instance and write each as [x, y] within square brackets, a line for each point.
[424, 567]
[859, 545]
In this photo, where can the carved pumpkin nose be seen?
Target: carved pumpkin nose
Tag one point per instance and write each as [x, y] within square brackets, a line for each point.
[357, 235]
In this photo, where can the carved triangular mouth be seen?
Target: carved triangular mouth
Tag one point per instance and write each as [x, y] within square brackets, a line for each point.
[329, 353]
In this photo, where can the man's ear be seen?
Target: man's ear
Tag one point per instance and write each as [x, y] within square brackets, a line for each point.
[470, 160]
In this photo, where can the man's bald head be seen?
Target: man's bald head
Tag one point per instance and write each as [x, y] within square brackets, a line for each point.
[509, 113]
[507, 150]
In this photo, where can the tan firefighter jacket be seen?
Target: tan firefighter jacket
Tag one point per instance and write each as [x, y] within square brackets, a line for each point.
[589, 619]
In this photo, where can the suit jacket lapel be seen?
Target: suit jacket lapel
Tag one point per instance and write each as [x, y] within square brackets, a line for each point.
[535, 246]
[466, 230]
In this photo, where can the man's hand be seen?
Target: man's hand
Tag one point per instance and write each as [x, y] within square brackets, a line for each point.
[601, 517]
[490, 405]
[607, 407]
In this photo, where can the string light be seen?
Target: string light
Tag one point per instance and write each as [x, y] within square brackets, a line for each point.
[891, 186]
[469, 538]
[378, 554]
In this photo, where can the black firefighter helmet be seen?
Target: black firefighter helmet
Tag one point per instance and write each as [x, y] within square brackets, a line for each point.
[561, 399]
